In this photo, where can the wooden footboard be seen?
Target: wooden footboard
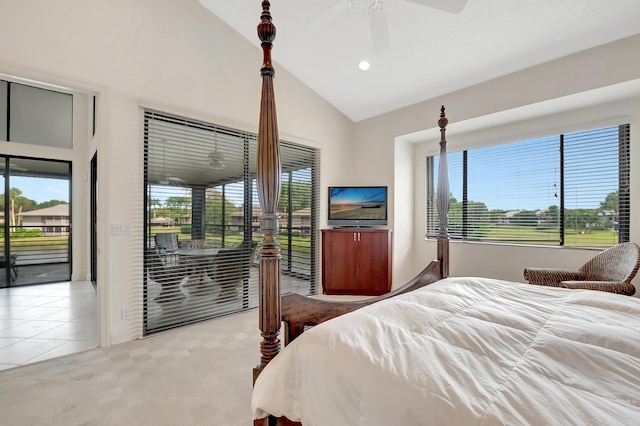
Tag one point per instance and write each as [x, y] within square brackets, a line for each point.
[299, 311]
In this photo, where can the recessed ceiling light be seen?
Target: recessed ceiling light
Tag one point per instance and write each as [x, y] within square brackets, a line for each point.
[364, 65]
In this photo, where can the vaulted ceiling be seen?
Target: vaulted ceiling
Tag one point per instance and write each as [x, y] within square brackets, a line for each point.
[429, 52]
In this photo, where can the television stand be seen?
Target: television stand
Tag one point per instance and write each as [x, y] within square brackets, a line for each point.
[356, 261]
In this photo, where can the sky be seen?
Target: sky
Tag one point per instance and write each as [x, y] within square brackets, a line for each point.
[41, 189]
[526, 175]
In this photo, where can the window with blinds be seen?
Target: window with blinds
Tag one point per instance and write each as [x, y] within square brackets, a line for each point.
[202, 234]
[570, 189]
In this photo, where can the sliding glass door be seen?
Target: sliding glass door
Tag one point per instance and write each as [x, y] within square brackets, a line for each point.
[36, 214]
[202, 234]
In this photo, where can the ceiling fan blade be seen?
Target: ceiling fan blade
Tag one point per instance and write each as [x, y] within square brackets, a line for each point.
[324, 18]
[379, 29]
[451, 6]
[18, 167]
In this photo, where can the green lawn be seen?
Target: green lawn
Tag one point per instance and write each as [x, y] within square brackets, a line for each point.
[530, 235]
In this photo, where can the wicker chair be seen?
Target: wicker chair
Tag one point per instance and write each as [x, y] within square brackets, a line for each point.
[611, 270]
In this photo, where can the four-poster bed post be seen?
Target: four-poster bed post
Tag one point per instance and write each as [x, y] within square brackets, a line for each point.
[443, 196]
[297, 311]
[268, 181]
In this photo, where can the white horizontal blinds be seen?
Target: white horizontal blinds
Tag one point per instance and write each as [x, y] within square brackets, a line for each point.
[201, 187]
[4, 87]
[431, 207]
[297, 208]
[596, 172]
[455, 166]
[513, 192]
[568, 189]
[624, 188]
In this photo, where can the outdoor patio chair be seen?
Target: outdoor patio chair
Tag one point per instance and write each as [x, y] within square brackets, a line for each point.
[167, 244]
[192, 244]
[13, 271]
[168, 276]
[611, 270]
[227, 273]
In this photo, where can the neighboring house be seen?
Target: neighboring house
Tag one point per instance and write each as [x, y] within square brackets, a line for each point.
[506, 219]
[162, 221]
[53, 221]
[236, 221]
[301, 221]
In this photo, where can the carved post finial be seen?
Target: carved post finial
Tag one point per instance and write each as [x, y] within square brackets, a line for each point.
[266, 34]
[442, 123]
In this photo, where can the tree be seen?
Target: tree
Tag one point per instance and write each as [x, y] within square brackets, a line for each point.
[49, 203]
[154, 203]
[213, 210]
[14, 193]
[178, 206]
[581, 219]
[17, 201]
[554, 215]
[611, 203]
[525, 218]
[301, 196]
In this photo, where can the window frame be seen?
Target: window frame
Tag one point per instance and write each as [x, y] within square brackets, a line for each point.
[463, 231]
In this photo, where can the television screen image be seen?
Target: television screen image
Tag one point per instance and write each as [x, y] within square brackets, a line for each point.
[357, 205]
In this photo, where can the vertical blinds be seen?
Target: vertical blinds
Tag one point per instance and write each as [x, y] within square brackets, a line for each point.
[201, 192]
[568, 189]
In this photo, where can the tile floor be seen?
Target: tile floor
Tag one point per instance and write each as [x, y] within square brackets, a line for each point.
[46, 321]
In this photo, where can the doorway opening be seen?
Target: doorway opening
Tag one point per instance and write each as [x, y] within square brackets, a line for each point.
[36, 221]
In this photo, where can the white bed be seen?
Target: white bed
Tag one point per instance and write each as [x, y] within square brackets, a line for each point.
[464, 351]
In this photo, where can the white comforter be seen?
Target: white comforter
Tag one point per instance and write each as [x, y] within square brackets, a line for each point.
[465, 351]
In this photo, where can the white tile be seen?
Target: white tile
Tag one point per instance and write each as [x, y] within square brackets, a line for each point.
[59, 302]
[8, 323]
[26, 350]
[12, 300]
[67, 348]
[75, 330]
[34, 313]
[29, 329]
[34, 301]
[8, 311]
[66, 312]
[4, 342]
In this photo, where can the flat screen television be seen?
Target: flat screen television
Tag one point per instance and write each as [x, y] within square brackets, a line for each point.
[354, 206]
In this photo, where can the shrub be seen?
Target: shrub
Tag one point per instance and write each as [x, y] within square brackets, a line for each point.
[26, 233]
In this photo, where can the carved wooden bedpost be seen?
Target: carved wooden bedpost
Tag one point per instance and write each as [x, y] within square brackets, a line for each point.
[443, 196]
[268, 179]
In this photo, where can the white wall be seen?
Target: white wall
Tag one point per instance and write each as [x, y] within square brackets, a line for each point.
[558, 96]
[171, 55]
